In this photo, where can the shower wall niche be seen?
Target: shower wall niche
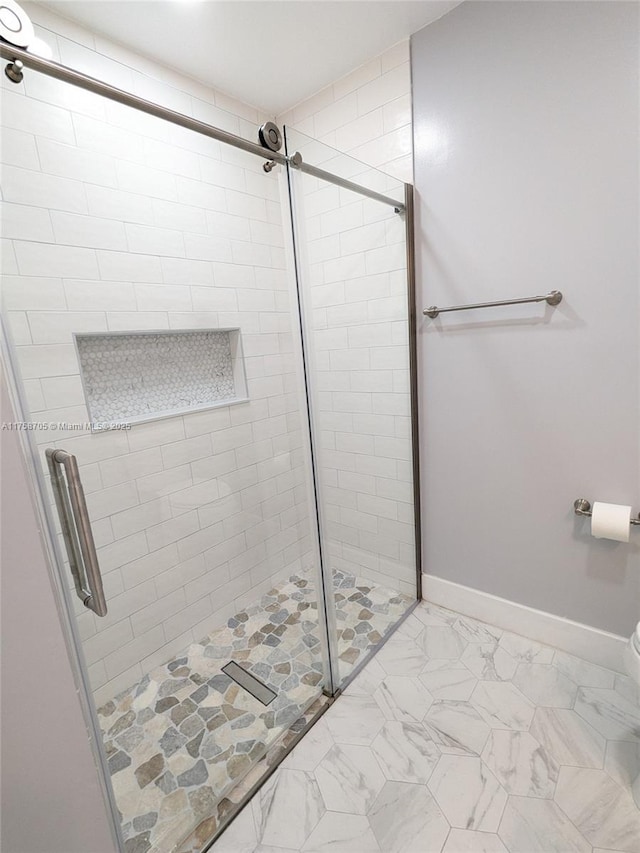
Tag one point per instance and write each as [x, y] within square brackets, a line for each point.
[140, 376]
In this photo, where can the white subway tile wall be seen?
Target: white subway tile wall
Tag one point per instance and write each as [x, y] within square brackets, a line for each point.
[353, 273]
[366, 114]
[118, 221]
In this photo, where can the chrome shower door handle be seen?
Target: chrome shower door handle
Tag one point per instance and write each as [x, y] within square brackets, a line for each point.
[76, 529]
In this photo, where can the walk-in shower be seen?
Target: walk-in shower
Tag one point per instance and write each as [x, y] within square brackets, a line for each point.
[217, 361]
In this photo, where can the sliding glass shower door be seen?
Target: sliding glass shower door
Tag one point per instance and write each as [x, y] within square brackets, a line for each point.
[151, 326]
[356, 308]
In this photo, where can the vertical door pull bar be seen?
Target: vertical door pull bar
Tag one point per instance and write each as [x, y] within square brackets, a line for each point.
[76, 529]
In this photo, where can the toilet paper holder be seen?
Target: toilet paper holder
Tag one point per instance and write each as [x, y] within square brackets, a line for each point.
[581, 506]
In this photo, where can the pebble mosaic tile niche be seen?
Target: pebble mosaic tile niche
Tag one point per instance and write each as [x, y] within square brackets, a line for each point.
[141, 376]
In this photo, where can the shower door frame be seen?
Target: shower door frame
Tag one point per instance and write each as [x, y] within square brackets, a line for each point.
[37, 483]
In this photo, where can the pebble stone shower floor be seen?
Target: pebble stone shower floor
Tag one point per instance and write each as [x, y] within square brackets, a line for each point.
[182, 737]
[458, 737]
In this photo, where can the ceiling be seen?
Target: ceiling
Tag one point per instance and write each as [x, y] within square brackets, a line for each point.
[269, 53]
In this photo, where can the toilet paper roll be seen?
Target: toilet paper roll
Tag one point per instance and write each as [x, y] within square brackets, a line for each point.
[610, 521]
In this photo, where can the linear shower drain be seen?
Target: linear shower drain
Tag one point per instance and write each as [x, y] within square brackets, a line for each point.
[249, 682]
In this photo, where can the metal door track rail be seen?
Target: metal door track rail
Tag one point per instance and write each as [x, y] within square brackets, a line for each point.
[20, 59]
[298, 163]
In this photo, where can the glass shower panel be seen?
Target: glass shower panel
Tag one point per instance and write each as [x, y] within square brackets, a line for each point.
[352, 266]
[146, 300]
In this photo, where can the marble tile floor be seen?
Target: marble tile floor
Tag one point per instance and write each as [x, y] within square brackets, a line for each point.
[230, 805]
[458, 737]
[181, 739]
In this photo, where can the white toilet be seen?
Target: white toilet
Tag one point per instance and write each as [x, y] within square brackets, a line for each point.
[632, 663]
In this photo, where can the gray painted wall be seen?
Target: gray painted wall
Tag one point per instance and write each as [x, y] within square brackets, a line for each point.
[526, 158]
[51, 798]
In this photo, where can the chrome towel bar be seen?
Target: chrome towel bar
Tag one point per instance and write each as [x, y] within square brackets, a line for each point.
[583, 507]
[76, 529]
[552, 298]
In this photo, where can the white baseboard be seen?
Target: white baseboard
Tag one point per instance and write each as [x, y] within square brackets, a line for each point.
[590, 644]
